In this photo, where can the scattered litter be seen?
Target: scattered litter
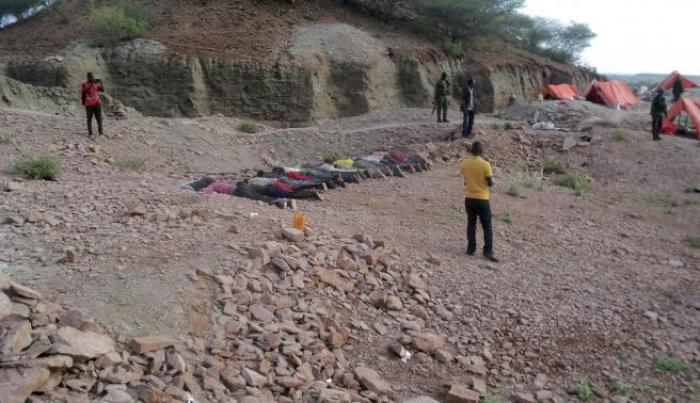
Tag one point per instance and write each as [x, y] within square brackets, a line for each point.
[406, 357]
[299, 221]
[253, 215]
[544, 126]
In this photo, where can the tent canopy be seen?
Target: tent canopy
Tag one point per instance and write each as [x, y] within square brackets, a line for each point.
[611, 93]
[689, 106]
[561, 91]
[667, 84]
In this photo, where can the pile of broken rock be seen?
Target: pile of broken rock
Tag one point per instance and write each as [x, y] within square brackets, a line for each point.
[48, 353]
[284, 325]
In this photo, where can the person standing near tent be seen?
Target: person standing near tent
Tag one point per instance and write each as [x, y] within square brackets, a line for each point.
[678, 89]
[90, 98]
[468, 108]
[658, 112]
[478, 178]
[442, 90]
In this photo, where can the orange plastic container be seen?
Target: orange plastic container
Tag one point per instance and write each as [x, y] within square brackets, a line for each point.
[299, 221]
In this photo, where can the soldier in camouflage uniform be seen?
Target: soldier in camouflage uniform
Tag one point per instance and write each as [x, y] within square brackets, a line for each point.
[442, 90]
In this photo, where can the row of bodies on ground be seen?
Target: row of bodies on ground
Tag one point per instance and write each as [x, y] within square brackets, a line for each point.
[282, 185]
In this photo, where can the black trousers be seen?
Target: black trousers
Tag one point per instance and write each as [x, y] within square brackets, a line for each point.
[656, 121]
[441, 105]
[481, 209]
[95, 111]
[468, 124]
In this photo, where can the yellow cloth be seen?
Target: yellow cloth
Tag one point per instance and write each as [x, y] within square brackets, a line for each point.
[476, 172]
[347, 164]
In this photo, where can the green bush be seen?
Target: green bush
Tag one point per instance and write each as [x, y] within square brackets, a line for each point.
[553, 167]
[248, 126]
[116, 24]
[63, 11]
[578, 183]
[452, 48]
[45, 167]
[513, 190]
[529, 183]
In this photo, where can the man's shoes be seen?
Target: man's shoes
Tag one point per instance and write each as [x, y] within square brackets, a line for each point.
[491, 258]
[318, 196]
[470, 253]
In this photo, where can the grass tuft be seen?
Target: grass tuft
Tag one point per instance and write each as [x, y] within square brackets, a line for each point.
[550, 167]
[4, 140]
[578, 183]
[492, 398]
[495, 126]
[621, 388]
[513, 190]
[248, 126]
[694, 242]
[369, 360]
[672, 364]
[584, 392]
[529, 183]
[508, 218]
[131, 164]
[619, 135]
[46, 167]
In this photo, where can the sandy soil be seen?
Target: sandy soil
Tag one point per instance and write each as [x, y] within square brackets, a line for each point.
[591, 288]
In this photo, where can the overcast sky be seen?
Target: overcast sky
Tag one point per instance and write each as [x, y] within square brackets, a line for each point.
[634, 36]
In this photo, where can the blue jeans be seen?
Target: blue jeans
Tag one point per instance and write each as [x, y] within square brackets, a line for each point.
[468, 123]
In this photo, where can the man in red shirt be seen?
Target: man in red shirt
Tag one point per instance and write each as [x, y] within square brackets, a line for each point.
[90, 98]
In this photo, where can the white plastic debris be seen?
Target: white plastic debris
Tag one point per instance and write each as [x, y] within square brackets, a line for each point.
[253, 215]
[544, 126]
[190, 399]
[407, 356]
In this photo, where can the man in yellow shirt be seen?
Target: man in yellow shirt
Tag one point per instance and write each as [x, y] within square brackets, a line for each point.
[478, 178]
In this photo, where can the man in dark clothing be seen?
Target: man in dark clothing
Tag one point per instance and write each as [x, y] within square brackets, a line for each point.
[90, 98]
[442, 90]
[678, 89]
[658, 112]
[468, 108]
[478, 178]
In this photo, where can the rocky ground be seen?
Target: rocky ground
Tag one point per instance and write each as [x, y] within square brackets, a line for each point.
[595, 294]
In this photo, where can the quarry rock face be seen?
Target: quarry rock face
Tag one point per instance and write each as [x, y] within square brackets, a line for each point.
[330, 71]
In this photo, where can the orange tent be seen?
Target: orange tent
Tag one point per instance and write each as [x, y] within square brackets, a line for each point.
[689, 106]
[561, 91]
[667, 84]
[611, 93]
